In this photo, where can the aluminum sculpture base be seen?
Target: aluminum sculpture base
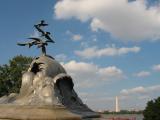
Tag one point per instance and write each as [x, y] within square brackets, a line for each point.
[21, 112]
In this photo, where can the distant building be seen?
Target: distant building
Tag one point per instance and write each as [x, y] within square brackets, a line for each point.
[117, 105]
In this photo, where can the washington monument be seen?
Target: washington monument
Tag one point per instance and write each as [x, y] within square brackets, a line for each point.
[117, 104]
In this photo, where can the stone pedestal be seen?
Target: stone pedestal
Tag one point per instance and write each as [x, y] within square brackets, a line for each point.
[21, 112]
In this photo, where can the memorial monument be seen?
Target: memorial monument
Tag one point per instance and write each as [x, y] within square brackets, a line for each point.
[47, 91]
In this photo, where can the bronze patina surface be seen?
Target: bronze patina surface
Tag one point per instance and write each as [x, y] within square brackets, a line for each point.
[47, 91]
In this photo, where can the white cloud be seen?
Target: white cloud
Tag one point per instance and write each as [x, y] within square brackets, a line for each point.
[138, 97]
[110, 72]
[134, 98]
[84, 44]
[154, 88]
[98, 101]
[61, 57]
[109, 51]
[74, 37]
[122, 19]
[143, 74]
[89, 75]
[77, 37]
[156, 67]
[144, 97]
[140, 90]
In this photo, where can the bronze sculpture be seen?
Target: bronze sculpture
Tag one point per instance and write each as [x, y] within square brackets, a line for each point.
[42, 23]
[47, 91]
[39, 41]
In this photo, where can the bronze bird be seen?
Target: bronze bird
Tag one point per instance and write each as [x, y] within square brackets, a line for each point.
[40, 44]
[38, 41]
[47, 36]
[42, 23]
[35, 39]
[39, 29]
[31, 43]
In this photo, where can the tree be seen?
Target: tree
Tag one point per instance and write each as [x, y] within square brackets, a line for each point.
[152, 111]
[11, 74]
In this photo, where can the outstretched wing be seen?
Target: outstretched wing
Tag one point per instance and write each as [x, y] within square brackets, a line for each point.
[47, 36]
[25, 44]
[35, 39]
[22, 44]
[42, 23]
[39, 29]
[50, 41]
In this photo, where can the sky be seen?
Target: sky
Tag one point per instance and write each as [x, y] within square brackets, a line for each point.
[109, 47]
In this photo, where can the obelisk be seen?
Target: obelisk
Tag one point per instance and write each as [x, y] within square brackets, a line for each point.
[117, 104]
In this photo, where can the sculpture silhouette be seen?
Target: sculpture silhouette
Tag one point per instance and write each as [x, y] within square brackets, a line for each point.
[47, 91]
[42, 23]
[38, 40]
[45, 34]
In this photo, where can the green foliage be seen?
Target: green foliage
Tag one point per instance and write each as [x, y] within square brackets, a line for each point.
[152, 111]
[11, 74]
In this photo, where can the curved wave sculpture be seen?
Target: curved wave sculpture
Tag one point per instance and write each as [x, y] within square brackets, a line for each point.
[47, 91]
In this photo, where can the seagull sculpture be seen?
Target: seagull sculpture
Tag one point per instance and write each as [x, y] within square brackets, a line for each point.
[30, 44]
[39, 42]
[42, 24]
[36, 41]
[45, 34]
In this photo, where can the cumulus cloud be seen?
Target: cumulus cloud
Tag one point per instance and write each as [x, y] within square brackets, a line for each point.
[74, 37]
[110, 72]
[133, 21]
[144, 97]
[140, 90]
[61, 57]
[134, 98]
[138, 95]
[109, 51]
[156, 67]
[143, 74]
[89, 75]
[77, 37]
[102, 99]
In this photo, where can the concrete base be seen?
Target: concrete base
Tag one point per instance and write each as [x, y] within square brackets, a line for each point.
[20, 112]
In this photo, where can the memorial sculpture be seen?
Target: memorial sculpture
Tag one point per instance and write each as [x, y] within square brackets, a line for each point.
[47, 91]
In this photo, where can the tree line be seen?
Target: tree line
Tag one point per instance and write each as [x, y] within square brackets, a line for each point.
[11, 74]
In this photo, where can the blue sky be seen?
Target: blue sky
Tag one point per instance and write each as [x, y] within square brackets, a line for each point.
[109, 47]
